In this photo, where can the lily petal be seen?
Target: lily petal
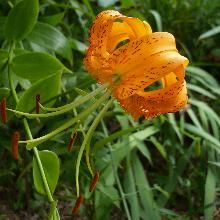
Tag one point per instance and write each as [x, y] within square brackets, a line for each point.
[145, 59]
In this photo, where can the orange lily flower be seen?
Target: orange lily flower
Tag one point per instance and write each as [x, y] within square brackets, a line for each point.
[134, 67]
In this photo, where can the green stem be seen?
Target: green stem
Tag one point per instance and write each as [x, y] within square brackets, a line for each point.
[61, 110]
[95, 123]
[40, 166]
[14, 94]
[36, 154]
[85, 141]
[37, 141]
[79, 101]
[75, 114]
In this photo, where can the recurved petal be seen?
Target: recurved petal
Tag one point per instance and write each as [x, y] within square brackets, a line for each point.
[101, 29]
[97, 54]
[127, 28]
[157, 66]
[141, 105]
[139, 27]
[120, 32]
[108, 30]
[136, 52]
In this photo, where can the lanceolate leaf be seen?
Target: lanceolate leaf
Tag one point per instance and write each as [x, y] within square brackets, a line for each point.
[210, 33]
[51, 166]
[210, 189]
[146, 196]
[21, 20]
[158, 19]
[130, 190]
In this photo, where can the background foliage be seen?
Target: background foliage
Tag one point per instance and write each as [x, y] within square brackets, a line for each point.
[165, 168]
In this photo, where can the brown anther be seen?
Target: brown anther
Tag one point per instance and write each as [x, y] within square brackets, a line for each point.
[3, 111]
[15, 143]
[94, 181]
[37, 103]
[78, 203]
[72, 141]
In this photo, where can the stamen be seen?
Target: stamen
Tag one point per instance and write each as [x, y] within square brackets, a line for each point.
[3, 111]
[78, 203]
[94, 182]
[15, 142]
[37, 103]
[72, 141]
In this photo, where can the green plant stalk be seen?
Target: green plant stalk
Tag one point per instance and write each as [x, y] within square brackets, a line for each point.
[63, 109]
[93, 127]
[34, 142]
[79, 101]
[82, 148]
[79, 125]
[36, 154]
[14, 94]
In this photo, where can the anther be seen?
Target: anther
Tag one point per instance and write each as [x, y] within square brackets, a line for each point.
[72, 141]
[78, 203]
[94, 181]
[3, 111]
[37, 103]
[14, 146]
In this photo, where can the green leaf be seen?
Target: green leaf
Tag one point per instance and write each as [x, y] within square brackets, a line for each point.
[130, 190]
[35, 66]
[78, 45]
[114, 136]
[210, 192]
[158, 19]
[106, 3]
[200, 90]
[47, 88]
[51, 166]
[159, 147]
[201, 133]
[196, 71]
[194, 118]
[174, 176]
[143, 149]
[210, 33]
[3, 58]
[172, 121]
[206, 108]
[2, 24]
[105, 198]
[51, 38]
[151, 210]
[127, 4]
[53, 19]
[4, 92]
[143, 134]
[21, 20]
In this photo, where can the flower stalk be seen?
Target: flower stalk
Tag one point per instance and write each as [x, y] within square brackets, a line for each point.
[28, 131]
[87, 139]
[62, 109]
